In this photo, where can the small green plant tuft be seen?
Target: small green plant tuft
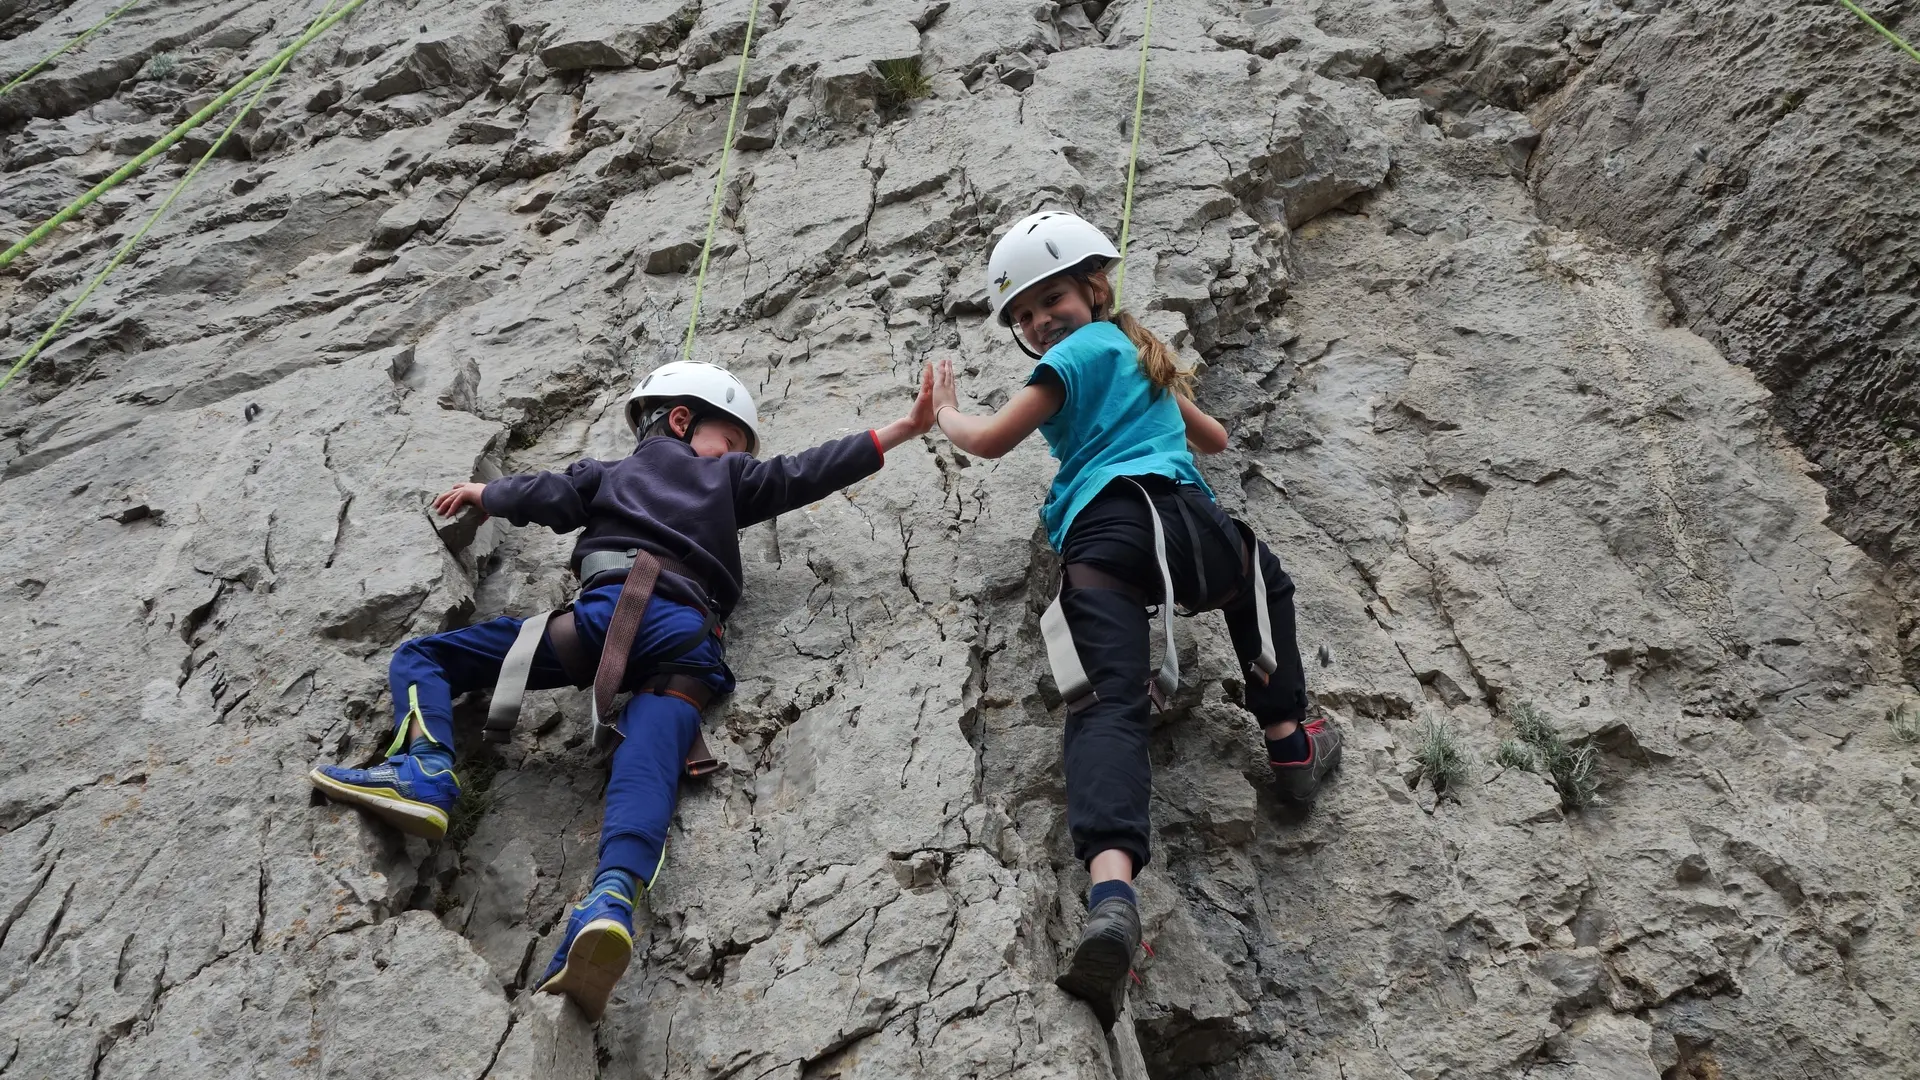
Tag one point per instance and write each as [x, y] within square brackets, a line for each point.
[161, 66]
[1905, 719]
[1437, 751]
[1514, 754]
[477, 799]
[1572, 770]
[902, 81]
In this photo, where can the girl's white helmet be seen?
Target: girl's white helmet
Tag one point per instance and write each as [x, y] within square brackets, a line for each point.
[699, 381]
[1036, 248]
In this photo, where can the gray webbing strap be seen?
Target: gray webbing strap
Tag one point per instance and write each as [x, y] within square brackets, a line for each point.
[1268, 661]
[1168, 679]
[1069, 674]
[515, 671]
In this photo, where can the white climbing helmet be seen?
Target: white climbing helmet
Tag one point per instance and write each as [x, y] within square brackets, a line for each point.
[700, 381]
[1036, 248]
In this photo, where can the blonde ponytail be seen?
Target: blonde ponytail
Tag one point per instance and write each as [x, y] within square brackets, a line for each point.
[1157, 359]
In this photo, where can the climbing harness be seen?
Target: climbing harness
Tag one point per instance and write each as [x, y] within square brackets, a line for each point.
[668, 675]
[1076, 690]
[74, 44]
[719, 180]
[1884, 32]
[153, 219]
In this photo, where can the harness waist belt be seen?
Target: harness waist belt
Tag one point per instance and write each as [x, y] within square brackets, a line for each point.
[607, 671]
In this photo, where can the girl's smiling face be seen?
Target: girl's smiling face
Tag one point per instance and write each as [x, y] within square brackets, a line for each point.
[1046, 313]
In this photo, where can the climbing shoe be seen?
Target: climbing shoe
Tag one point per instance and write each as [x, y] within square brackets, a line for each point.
[1300, 780]
[402, 790]
[1097, 973]
[595, 952]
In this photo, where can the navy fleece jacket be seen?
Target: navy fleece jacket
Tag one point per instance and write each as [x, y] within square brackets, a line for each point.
[665, 498]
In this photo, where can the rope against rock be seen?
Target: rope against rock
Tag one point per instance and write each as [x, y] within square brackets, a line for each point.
[719, 181]
[74, 44]
[1133, 157]
[1888, 34]
[174, 136]
[152, 219]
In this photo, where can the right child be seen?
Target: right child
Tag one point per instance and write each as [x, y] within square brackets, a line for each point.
[1135, 525]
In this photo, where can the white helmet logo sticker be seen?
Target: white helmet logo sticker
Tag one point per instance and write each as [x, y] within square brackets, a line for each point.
[1003, 281]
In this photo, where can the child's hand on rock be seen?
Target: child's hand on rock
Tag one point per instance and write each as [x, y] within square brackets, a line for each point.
[462, 495]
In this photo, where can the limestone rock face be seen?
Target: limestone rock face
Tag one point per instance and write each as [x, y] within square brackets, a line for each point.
[1526, 320]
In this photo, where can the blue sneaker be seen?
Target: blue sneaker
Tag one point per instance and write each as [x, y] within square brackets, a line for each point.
[595, 952]
[401, 791]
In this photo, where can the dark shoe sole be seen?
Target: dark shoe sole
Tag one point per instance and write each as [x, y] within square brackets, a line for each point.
[1097, 975]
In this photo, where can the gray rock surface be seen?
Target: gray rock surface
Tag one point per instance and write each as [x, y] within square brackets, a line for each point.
[1513, 376]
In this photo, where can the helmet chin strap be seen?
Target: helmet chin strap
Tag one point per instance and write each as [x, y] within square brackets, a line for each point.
[1021, 340]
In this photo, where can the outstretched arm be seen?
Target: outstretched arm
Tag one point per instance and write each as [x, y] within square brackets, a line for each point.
[1207, 435]
[992, 436]
[764, 489]
[556, 500]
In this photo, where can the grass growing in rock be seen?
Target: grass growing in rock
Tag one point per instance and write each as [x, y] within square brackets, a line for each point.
[161, 66]
[1537, 747]
[477, 798]
[1514, 754]
[1437, 750]
[902, 81]
[1905, 719]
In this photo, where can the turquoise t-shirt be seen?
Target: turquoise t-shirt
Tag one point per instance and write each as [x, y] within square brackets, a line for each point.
[1113, 424]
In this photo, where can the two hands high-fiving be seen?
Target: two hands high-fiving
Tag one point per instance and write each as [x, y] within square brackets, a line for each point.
[937, 393]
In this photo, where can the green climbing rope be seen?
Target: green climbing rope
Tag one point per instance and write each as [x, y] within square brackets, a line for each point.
[1886, 33]
[74, 44]
[1133, 156]
[152, 219]
[174, 136]
[719, 181]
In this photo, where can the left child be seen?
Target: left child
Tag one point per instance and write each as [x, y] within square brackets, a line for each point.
[671, 508]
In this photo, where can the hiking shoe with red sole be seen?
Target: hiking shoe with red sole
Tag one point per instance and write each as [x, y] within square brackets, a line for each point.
[1299, 781]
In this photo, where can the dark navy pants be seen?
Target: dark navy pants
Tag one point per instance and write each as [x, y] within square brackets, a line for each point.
[657, 730]
[1107, 766]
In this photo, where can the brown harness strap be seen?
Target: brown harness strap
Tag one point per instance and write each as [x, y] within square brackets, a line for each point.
[635, 594]
[628, 613]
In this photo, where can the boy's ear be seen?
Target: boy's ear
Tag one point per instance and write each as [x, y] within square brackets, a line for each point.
[679, 421]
